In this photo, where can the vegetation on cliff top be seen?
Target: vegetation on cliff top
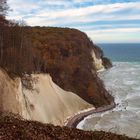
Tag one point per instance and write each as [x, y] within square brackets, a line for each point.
[62, 52]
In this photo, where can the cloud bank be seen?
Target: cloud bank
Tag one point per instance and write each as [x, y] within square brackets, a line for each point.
[103, 21]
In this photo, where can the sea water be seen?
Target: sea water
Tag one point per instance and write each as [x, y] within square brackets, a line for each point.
[122, 52]
[123, 82]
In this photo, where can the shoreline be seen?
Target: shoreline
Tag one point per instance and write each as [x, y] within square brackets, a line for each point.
[75, 120]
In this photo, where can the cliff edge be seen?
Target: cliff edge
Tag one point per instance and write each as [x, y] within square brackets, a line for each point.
[72, 60]
[49, 74]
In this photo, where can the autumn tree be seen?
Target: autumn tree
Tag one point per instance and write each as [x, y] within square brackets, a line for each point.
[3, 11]
[15, 49]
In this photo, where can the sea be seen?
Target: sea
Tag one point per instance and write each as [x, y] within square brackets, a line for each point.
[123, 82]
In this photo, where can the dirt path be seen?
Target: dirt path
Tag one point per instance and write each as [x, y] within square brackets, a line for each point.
[73, 122]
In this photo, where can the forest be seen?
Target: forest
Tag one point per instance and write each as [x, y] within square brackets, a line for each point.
[62, 52]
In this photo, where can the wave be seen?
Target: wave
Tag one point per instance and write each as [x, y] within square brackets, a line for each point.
[123, 80]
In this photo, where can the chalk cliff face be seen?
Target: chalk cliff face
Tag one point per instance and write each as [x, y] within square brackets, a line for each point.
[43, 101]
[9, 93]
[98, 62]
[57, 79]
[50, 101]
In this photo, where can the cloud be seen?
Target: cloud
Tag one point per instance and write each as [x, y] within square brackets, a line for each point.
[95, 15]
[109, 12]
[129, 35]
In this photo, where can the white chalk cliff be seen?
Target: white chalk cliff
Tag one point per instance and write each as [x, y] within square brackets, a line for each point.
[98, 62]
[45, 102]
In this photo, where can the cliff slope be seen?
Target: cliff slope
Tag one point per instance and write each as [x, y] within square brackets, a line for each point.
[50, 73]
[72, 60]
[30, 130]
[37, 97]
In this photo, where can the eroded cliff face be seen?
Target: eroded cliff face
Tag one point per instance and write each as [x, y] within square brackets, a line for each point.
[66, 81]
[98, 62]
[9, 93]
[38, 98]
[72, 60]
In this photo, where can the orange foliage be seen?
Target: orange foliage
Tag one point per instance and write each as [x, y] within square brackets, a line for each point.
[62, 52]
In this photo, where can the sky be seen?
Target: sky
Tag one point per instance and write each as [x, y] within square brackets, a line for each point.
[105, 21]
